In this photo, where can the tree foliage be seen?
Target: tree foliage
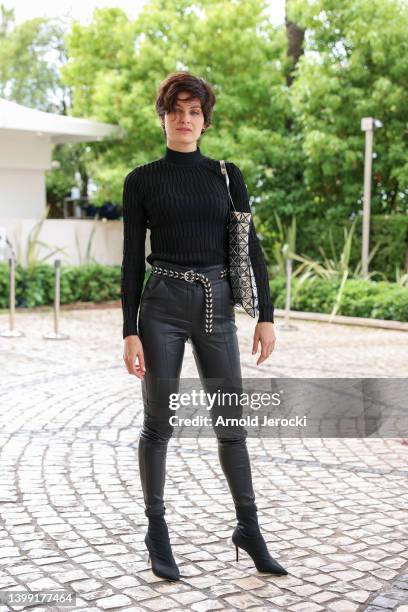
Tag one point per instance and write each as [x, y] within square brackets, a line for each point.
[356, 65]
[288, 116]
[31, 55]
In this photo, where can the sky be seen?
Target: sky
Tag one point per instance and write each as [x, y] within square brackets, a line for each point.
[82, 10]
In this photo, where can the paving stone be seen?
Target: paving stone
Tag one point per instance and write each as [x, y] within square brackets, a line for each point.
[73, 575]
[219, 590]
[160, 603]
[343, 558]
[202, 582]
[268, 590]
[384, 602]
[339, 587]
[365, 566]
[304, 590]
[284, 600]
[209, 604]
[85, 586]
[331, 510]
[242, 602]
[268, 608]
[306, 606]
[141, 592]
[116, 601]
[210, 566]
[323, 596]
[43, 584]
[342, 606]
[189, 597]
[399, 595]
[331, 568]
[348, 575]
[401, 585]
[369, 584]
[359, 596]
[124, 581]
[395, 562]
[375, 554]
[384, 574]
[314, 562]
[99, 593]
[320, 579]
[250, 583]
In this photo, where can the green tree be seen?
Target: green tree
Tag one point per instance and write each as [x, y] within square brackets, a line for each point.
[289, 98]
[116, 66]
[31, 55]
[355, 65]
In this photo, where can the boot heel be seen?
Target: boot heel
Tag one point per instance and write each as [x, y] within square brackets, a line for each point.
[256, 548]
[148, 557]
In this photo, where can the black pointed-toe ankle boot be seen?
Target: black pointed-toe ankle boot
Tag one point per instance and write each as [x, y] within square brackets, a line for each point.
[160, 554]
[247, 536]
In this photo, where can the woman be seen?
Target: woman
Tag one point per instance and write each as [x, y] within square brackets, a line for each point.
[183, 199]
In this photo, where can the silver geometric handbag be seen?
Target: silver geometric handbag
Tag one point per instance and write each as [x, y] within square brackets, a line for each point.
[242, 276]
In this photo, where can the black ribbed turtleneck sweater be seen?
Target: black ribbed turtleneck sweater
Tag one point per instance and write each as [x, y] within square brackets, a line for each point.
[183, 199]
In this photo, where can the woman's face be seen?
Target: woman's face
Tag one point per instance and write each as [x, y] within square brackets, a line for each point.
[184, 123]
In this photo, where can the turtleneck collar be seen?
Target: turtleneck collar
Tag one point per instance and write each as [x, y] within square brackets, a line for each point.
[183, 158]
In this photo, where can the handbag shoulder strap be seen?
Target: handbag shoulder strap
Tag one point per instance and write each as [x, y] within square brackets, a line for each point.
[225, 173]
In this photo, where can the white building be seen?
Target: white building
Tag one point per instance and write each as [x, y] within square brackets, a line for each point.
[27, 137]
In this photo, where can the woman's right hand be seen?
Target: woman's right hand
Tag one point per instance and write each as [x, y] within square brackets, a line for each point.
[133, 349]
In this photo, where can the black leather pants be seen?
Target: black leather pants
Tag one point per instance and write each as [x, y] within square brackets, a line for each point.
[171, 313]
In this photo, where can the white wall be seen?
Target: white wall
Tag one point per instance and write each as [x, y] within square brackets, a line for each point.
[22, 193]
[24, 157]
[107, 243]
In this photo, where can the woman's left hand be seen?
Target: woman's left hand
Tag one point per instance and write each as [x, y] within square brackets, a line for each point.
[265, 334]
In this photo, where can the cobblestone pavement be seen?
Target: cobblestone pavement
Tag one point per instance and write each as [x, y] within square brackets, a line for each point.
[334, 512]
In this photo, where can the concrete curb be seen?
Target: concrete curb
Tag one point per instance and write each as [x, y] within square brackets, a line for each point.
[343, 320]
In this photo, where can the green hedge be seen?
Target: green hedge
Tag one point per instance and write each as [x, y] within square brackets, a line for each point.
[98, 283]
[84, 283]
[376, 300]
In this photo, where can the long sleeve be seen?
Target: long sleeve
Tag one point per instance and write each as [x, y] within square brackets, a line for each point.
[133, 264]
[240, 198]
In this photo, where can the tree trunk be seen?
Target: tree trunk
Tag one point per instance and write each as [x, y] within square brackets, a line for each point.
[295, 37]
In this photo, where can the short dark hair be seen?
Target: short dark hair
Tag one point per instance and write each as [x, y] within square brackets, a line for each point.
[184, 80]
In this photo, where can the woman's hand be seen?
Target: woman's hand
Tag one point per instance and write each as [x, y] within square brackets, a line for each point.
[264, 333]
[133, 349]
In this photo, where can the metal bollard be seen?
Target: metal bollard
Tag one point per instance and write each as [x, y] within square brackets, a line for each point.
[56, 334]
[287, 326]
[11, 332]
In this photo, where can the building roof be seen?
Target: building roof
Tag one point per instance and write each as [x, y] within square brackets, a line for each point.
[61, 128]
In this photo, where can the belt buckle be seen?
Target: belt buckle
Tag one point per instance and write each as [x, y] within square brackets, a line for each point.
[189, 276]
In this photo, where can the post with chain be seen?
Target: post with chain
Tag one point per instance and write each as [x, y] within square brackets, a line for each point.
[56, 334]
[287, 326]
[11, 332]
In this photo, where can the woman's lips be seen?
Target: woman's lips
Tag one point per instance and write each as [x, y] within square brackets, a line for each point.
[183, 130]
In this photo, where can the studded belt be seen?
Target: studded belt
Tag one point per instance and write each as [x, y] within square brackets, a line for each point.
[190, 276]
